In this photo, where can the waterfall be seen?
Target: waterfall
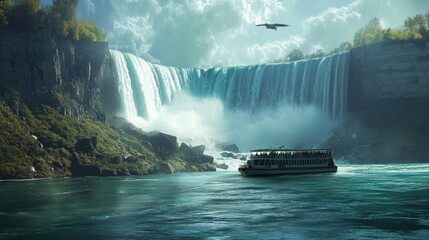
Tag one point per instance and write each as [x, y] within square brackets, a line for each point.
[322, 82]
[145, 87]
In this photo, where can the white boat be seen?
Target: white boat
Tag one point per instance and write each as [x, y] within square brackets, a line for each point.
[288, 161]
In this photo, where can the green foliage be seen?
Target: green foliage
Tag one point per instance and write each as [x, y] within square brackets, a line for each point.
[43, 145]
[373, 32]
[317, 54]
[344, 46]
[27, 15]
[61, 15]
[63, 20]
[295, 55]
[63, 9]
[86, 31]
[414, 28]
[396, 34]
[5, 6]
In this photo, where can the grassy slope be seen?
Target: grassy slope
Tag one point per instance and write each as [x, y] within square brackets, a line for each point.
[51, 155]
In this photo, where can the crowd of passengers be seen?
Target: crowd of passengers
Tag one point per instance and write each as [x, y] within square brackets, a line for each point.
[297, 154]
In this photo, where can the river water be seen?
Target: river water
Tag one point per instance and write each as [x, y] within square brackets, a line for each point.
[357, 202]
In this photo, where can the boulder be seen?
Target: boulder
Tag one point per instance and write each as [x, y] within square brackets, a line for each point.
[228, 155]
[165, 168]
[185, 149]
[79, 170]
[199, 149]
[86, 145]
[222, 166]
[230, 147]
[163, 144]
[199, 158]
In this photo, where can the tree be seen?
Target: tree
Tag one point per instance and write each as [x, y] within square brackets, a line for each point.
[83, 30]
[62, 15]
[295, 55]
[25, 15]
[416, 27]
[373, 32]
[395, 34]
[5, 6]
[317, 54]
[64, 9]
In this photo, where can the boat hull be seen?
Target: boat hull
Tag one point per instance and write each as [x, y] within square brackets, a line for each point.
[284, 171]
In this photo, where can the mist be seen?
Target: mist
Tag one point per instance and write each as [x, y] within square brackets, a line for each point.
[206, 121]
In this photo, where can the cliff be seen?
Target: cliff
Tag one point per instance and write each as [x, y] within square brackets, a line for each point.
[54, 95]
[388, 99]
[59, 72]
[386, 71]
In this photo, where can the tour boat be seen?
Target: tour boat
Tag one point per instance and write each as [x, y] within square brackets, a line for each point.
[288, 161]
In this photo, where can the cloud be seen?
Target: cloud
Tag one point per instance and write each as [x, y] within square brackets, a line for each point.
[335, 25]
[331, 27]
[132, 34]
[206, 33]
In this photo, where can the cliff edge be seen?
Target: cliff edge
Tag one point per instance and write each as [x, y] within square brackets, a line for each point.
[59, 72]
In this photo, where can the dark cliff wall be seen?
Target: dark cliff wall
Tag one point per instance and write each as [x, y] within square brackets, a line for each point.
[388, 102]
[387, 71]
[59, 72]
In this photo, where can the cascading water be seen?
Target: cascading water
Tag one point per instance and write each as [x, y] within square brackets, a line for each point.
[263, 105]
[145, 87]
[321, 82]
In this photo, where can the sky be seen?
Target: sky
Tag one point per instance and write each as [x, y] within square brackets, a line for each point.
[210, 33]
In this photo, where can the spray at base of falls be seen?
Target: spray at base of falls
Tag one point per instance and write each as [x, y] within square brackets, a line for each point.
[253, 106]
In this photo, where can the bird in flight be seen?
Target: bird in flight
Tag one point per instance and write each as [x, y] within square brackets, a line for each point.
[272, 25]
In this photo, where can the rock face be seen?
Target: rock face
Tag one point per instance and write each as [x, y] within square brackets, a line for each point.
[58, 72]
[388, 99]
[389, 70]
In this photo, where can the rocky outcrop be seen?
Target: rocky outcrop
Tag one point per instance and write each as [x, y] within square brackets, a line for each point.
[388, 70]
[163, 144]
[199, 149]
[185, 149]
[225, 146]
[55, 71]
[388, 98]
[86, 145]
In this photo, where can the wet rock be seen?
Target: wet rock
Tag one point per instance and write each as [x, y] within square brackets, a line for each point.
[222, 166]
[200, 158]
[230, 147]
[228, 155]
[185, 149]
[199, 149]
[165, 168]
[86, 145]
[163, 144]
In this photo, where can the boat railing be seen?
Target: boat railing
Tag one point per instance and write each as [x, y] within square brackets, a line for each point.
[289, 156]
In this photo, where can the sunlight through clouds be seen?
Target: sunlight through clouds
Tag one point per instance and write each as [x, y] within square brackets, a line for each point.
[204, 33]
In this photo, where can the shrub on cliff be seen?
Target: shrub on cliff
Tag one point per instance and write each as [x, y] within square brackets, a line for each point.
[62, 18]
[25, 15]
[28, 15]
[5, 6]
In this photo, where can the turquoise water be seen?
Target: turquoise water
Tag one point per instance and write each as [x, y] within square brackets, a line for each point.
[357, 202]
